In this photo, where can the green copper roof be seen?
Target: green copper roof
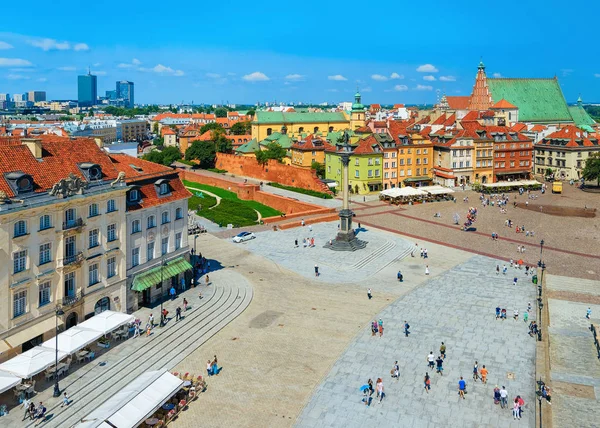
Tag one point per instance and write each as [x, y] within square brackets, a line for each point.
[276, 117]
[249, 147]
[539, 100]
[580, 116]
[283, 140]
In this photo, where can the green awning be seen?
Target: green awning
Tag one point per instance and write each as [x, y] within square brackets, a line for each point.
[152, 277]
[413, 179]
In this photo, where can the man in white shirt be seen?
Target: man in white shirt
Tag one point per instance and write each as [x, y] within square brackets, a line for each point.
[431, 359]
[503, 397]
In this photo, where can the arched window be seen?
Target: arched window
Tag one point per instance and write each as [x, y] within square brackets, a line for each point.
[301, 129]
[111, 206]
[45, 222]
[316, 129]
[93, 210]
[331, 129]
[20, 228]
[269, 131]
[164, 188]
[102, 305]
[178, 213]
[151, 222]
[165, 217]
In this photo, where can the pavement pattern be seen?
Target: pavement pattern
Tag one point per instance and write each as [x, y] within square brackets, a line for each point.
[457, 307]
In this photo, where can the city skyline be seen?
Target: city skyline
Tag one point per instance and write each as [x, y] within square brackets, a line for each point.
[299, 61]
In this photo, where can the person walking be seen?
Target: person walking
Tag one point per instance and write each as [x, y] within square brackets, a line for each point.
[484, 373]
[443, 351]
[521, 404]
[399, 276]
[151, 321]
[66, 400]
[430, 360]
[396, 371]
[427, 270]
[215, 366]
[516, 315]
[380, 326]
[316, 270]
[503, 397]
[185, 305]
[525, 316]
[374, 328]
[497, 269]
[515, 409]
[406, 327]
[209, 368]
[588, 313]
[207, 280]
[439, 365]
[498, 312]
[380, 390]
[369, 294]
[475, 372]
[515, 281]
[462, 386]
[427, 382]
[504, 269]
[30, 411]
[177, 314]
[173, 293]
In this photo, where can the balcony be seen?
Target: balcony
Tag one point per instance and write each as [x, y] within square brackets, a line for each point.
[71, 300]
[74, 259]
[73, 224]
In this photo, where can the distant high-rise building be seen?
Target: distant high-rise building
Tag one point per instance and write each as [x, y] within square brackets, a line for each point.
[35, 96]
[87, 90]
[17, 98]
[125, 92]
[111, 95]
[4, 97]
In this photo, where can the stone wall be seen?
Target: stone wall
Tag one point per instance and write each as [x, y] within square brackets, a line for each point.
[274, 171]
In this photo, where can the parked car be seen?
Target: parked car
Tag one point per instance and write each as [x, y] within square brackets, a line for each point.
[243, 236]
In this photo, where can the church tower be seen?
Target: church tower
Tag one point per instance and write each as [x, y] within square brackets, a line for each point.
[481, 99]
[357, 114]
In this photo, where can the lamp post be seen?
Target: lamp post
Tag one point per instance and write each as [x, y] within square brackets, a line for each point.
[163, 263]
[539, 396]
[59, 312]
[540, 303]
[541, 249]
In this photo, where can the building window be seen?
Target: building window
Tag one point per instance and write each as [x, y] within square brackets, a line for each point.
[393, 174]
[19, 261]
[425, 161]
[164, 246]
[45, 291]
[418, 171]
[301, 129]
[401, 162]
[19, 303]
[269, 131]
[111, 232]
[45, 254]
[376, 173]
[134, 195]
[136, 226]
[329, 168]
[93, 210]
[178, 213]
[93, 275]
[164, 188]
[93, 238]
[135, 256]
[20, 228]
[316, 129]
[165, 217]
[424, 171]
[151, 222]
[70, 287]
[150, 251]
[385, 175]
[70, 217]
[512, 164]
[111, 267]
[356, 174]
[401, 173]
[45, 222]
[356, 162]
[178, 241]
[468, 164]
[424, 151]
[111, 206]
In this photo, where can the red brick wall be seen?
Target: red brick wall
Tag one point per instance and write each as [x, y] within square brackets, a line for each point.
[274, 171]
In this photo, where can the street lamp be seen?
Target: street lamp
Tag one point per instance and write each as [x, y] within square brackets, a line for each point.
[541, 248]
[59, 312]
[163, 263]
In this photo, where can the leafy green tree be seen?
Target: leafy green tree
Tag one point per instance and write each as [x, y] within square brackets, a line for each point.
[202, 151]
[241, 128]
[91, 112]
[164, 157]
[159, 141]
[155, 128]
[251, 112]
[319, 169]
[591, 170]
[273, 151]
[221, 112]
[221, 142]
[210, 127]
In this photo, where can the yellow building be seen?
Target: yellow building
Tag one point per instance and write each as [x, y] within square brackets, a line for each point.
[308, 150]
[484, 161]
[415, 160]
[266, 123]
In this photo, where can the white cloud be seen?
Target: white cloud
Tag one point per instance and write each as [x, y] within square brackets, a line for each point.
[14, 62]
[98, 72]
[162, 69]
[81, 47]
[22, 70]
[379, 77]
[496, 75]
[427, 68]
[213, 75]
[338, 77]
[42, 79]
[68, 68]
[136, 61]
[97, 64]
[294, 77]
[597, 75]
[400, 88]
[566, 71]
[424, 88]
[447, 79]
[16, 77]
[396, 76]
[4, 45]
[49, 44]
[124, 65]
[257, 76]
[429, 78]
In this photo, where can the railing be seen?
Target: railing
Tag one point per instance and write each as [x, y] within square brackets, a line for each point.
[71, 300]
[75, 258]
[71, 224]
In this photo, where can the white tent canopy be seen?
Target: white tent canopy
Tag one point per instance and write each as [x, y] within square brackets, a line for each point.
[398, 192]
[436, 190]
[32, 362]
[106, 321]
[73, 339]
[133, 404]
[7, 381]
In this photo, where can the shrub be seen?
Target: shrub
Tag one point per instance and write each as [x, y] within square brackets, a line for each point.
[303, 191]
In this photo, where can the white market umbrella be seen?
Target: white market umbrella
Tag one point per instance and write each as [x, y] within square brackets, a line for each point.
[73, 339]
[106, 321]
[32, 362]
[7, 381]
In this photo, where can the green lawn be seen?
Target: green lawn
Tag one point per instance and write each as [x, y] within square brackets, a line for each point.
[264, 210]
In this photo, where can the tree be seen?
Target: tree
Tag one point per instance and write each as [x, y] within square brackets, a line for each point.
[164, 157]
[210, 127]
[221, 112]
[221, 142]
[155, 128]
[241, 128]
[159, 141]
[319, 169]
[251, 112]
[273, 151]
[591, 170]
[202, 151]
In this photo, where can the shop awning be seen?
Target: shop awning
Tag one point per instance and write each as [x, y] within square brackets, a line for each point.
[33, 331]
[7, 381]
[153, 276]
[4, 346]
[106, 321]
[32, 362]
[513, 172]
[73, 340]
[415, 179]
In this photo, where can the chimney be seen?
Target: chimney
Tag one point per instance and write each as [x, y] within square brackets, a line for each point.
[99, 142]
[34, 145]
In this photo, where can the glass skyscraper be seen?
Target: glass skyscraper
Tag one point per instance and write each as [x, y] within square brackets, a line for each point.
[125, 93]
[87, 90]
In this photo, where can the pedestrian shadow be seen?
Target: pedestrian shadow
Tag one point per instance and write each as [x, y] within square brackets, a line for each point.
[360, 230]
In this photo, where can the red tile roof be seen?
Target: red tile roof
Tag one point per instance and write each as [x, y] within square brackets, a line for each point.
[440, 120]
[166, 130]
[503, 104]
[472, 115]
[573, 135]
[398, 105]
[450, 121]
[162, 116]
[458, 103]
[60, 156]
[313, 142]
[365, 146]
[538, 128]
[519, 127]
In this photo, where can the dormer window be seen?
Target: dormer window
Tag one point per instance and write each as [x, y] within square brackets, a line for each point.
[20, 182]
[134, 195]
[91, 171]
[162, 187]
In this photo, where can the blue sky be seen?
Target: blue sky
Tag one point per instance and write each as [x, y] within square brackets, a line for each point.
[311, 51]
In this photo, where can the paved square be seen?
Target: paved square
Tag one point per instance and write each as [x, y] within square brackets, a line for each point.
[457, 307]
